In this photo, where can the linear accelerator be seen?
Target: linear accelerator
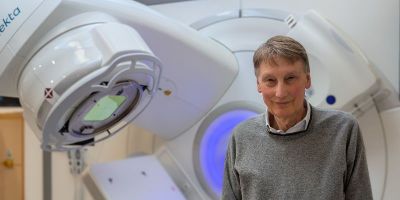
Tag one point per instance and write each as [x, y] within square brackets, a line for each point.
[83, 70]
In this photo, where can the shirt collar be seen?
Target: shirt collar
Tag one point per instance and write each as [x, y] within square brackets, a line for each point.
[300, 126]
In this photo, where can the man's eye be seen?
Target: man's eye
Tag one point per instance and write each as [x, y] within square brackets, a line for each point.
[291, 78]
[270, 82]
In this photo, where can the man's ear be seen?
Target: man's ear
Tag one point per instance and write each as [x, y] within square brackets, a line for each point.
[308, 77]
[258, 87]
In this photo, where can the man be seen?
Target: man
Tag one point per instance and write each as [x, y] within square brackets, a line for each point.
[294, 150]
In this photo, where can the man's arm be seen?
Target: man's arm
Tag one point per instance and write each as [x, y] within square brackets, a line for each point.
[357, 185]
[231, 184]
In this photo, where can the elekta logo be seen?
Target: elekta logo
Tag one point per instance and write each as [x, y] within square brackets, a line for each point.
[6, 22]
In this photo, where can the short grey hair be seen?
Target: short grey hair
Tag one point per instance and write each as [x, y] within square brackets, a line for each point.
[280, 47]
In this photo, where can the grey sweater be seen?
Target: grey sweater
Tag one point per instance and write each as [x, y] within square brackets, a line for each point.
[326, 161]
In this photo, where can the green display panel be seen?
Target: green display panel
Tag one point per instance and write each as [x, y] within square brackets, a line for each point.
[104, 108]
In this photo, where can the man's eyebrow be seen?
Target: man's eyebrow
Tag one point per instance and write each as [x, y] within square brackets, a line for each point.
[292, 74]
[267, 76]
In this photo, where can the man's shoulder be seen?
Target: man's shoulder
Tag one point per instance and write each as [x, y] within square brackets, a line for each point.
[322, 114]
[252, 123]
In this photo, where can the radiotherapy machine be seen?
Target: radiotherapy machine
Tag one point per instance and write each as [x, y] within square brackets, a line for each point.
[85, 69]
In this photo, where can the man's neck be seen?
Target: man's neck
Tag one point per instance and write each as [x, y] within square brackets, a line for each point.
[285, 123]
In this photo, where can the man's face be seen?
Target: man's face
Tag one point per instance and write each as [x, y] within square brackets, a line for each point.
[282, 87]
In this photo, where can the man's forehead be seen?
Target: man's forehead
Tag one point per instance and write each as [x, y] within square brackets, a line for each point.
[279, 60]
[287, 66]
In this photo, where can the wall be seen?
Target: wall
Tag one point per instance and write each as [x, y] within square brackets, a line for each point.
[33, 166]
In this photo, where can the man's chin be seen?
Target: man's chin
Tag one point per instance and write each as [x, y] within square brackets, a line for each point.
[282, 114]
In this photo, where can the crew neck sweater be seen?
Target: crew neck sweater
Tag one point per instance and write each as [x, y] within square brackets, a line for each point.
[326, 161]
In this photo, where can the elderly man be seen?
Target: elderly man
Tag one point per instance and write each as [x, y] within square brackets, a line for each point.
[294, 150]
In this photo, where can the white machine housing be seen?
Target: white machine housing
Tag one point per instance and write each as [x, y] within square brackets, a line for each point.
[83, 70]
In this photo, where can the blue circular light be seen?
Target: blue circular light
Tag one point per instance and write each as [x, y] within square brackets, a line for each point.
[330, 99]
[214, 144]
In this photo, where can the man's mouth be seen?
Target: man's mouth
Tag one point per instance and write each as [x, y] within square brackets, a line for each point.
[282, 102]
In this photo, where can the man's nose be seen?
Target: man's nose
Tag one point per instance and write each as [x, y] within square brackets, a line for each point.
[281, 90]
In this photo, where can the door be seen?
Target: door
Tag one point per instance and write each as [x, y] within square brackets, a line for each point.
[11, 154]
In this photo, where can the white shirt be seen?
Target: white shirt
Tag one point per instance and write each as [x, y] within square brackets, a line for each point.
[300, 126]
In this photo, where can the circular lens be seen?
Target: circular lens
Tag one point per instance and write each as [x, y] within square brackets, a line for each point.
[102, 110]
